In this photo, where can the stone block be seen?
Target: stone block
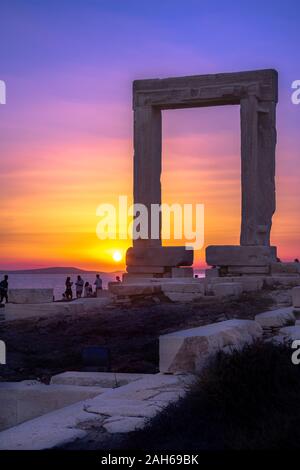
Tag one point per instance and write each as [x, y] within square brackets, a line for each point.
[166, 256]
[134, 278]
[134, 289]
[23, 401]
[212, 272]
[285, 268]
[276, 318]
[99, 379]
[235, 255]
[291, 332]
[184, 287]
[119, 424]
[296, 297]
[182, 296]
[237, 270]
[251, 283]
[227, 288]
[20, 312]
[190, 350]
[182, 272]
[30, 296]
[146, 269]
[281, 280]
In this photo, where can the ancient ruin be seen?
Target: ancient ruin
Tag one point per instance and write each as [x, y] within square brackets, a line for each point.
[257, 94]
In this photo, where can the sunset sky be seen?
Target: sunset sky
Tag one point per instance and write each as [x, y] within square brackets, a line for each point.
[66, 130]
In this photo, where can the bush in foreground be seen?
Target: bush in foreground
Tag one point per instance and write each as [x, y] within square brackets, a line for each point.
[246, 400]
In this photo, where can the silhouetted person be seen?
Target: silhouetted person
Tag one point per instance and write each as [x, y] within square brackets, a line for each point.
[69, 293]
[296, 260]
[79, 287]
[4, 289]
[118, 279]
[98, 284]
[88, 290]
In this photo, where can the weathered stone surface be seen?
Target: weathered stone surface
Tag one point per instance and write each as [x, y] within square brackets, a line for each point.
[227, 288]
[100, 379]
[251, 283]
[30, 296]
[189, 350]
[145, 396]
[258, 143]
[183, 291]
[122, 407]
[212, 272]
[276, 318]
[19, 311]
[285, 268]
[281, 280]
[171, 256]
[182, 272]
[22, 401]
[205, 90]
[230, 255]
[291, 332]
[182, 297]
[45, 432]
[123, 425]
[296, 297]
[248, 270]
[134, 289]
[186, 287]
[146, 269]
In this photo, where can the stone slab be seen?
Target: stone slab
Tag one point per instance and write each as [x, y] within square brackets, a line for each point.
[134, 289]
[30, 296]
[224, 289]
[285, 268]
[276, 318]
[73, 422]
[173, 256]
[291, 332]
[15, 312]
[190, 350]
[212, 272]
[248, 270]
[296, 297]
[24, 401]
[146, 269]
[235, 255]
[182, 272]
[182, 296]
[100, 379]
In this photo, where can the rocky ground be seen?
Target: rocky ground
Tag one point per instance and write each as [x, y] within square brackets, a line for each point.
[40, 348]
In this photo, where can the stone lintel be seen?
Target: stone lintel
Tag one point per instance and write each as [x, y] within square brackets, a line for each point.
[235, 255]
[206, 90]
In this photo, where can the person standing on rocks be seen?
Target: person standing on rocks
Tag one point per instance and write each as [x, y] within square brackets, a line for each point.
[98, 284]
[79, 287]
[4, 289]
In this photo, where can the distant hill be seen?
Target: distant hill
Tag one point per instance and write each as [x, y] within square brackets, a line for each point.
[55, 270]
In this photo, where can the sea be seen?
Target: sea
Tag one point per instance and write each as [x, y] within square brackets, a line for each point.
[57, 281]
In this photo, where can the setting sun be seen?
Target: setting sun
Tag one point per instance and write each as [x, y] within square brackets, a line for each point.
[117, 256]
